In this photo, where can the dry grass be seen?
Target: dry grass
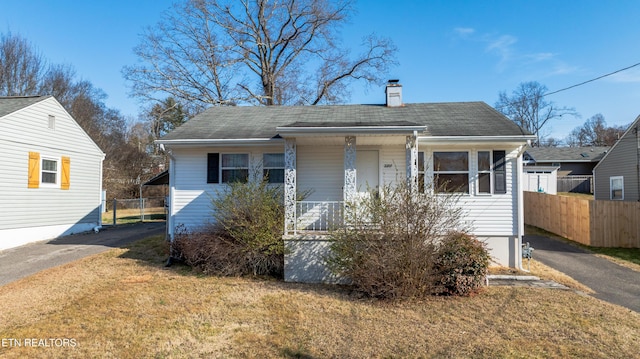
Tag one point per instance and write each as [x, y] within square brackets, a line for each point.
[124, 216]
[124, 304]
[543, 272]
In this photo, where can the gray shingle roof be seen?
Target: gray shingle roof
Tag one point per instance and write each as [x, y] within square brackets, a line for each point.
[12, 104]
[567, 154]
[441, 119]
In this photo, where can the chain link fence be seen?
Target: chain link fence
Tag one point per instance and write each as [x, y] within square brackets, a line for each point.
[121, 211]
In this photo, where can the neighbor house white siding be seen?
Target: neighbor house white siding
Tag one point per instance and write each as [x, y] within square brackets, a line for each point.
[31, 214]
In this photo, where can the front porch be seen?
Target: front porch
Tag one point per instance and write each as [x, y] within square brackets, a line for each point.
[318, 217]
[337, 170]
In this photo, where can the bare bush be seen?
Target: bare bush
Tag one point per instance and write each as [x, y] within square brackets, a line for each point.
[245, 237]
[392, 242]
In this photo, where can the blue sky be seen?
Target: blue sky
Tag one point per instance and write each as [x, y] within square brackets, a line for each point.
[447, 50]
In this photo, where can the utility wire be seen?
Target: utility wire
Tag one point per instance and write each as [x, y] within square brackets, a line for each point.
[586, 82]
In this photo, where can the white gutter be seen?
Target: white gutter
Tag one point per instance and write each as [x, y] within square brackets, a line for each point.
[461, 139]
[222, 142]
[318, 130]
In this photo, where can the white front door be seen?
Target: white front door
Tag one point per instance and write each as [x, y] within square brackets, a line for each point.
[367, 171]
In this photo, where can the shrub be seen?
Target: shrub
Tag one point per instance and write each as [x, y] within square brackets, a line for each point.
[461, 263]
[391, 243]
[245, 236]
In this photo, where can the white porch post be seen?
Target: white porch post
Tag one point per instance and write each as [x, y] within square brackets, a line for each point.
[349, 189]
[412, 162]
[289, 185]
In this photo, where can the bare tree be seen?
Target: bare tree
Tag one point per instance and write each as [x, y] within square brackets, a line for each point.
[23, 73]
[528, 109]
[165, 116]
[551, 142]
[21, 67]
[595, 132]
[224, 52]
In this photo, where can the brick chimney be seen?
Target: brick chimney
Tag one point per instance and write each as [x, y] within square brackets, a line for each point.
[394, 93]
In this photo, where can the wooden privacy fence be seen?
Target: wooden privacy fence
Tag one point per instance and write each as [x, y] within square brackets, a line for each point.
[577, 184]
[593, 223]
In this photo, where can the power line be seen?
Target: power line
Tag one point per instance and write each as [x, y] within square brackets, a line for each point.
[597, 78]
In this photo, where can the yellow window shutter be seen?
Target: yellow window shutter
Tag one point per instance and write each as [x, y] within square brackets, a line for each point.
[66, 172]
[34, 170]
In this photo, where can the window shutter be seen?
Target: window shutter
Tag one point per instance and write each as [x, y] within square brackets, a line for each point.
[34, 170]
[500, 172]
[213, 168]
[66, 172]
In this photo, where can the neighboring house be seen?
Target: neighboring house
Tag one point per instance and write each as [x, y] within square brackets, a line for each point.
[617, 175]
[51, 181]
[338, 152]
[572, 161]
[575, 165]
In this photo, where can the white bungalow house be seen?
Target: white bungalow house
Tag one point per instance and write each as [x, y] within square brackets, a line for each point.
[337, 151]
[51, 181]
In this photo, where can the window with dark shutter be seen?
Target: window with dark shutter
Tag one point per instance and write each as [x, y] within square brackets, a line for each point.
[500, 172]
[213, 168]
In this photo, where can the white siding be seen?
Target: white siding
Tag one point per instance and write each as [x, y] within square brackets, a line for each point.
[321, 169]
[393, 161]
[488, 215]
[493, 218]
[62, 211]
[192, 195]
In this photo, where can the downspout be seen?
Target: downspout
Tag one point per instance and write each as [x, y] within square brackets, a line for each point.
[172, 178]
[100, 189]
[520, 199]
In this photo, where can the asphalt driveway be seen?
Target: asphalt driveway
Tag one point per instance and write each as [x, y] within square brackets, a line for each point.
[611, 282]
[23, 261]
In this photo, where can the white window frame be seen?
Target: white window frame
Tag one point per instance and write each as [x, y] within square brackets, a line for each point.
[437, 172]
[489, 171]
[58, 162]
[222, 168]
[422, 171]
[611, 180]
[268, 168]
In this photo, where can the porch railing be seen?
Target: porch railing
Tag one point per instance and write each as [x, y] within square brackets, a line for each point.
[318, 216]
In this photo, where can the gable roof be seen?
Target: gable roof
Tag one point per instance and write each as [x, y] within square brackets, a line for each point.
[567, 154]
[632, 126]
[14, 103]
[440, 119]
